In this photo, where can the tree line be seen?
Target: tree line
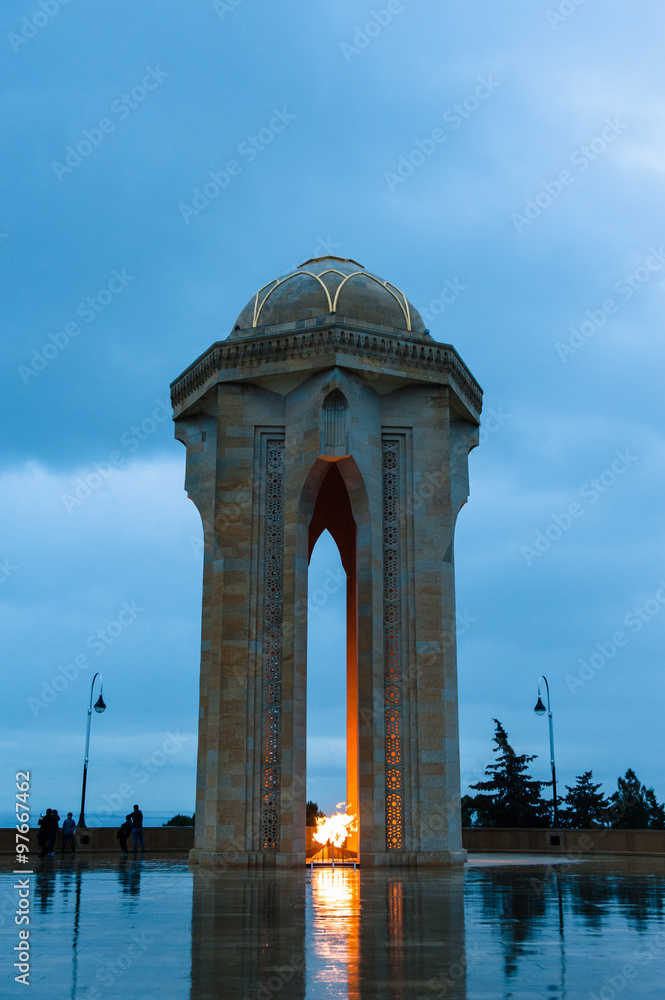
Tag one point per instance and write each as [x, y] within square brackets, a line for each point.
[510, 797]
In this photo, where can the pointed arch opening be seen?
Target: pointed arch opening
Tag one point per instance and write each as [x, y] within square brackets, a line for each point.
[333, 514]
[326, 675]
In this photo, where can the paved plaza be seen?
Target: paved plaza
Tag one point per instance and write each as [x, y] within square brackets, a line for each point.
[522, 927]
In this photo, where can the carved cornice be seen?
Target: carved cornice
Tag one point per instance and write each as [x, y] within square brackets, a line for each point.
[391, 354]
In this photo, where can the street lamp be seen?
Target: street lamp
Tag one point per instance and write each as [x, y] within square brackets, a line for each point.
[99, 707]
[540, 710]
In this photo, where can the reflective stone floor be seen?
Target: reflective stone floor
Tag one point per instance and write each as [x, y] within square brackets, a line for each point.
[505, 927]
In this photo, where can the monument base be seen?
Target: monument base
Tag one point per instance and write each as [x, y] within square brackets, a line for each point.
[250, 860]
[414, 859]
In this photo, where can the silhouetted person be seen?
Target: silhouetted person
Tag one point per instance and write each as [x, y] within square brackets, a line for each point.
[52, 823]
[123, 833]
[137, 828]
[43, 835]
[68, 831]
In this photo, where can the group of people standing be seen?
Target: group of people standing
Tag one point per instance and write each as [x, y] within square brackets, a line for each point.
[49, 825]
[48, 829]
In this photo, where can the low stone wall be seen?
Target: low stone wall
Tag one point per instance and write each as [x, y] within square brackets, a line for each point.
[573, 843]
[158, 839]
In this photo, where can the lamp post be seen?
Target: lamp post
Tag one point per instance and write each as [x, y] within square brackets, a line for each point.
[99, 707]
[540, 710]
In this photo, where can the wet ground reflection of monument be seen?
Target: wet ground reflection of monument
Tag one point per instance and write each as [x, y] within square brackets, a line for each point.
[102, 929]
[248, 935]
[412, 939]
[340, 933]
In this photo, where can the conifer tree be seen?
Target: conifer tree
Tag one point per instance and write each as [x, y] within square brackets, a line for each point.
[584, 805]
[634, 806]
[313, 813]
[510, 797]
[468, 810]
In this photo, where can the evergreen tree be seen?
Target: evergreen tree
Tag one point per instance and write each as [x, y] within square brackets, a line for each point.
[510, 797]
[180, 820]
[468, 810]
[313, 813]
[584, 805]
[634, 806]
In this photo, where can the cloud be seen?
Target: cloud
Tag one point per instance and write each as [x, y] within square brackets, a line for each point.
[134, 537]
[114, 587]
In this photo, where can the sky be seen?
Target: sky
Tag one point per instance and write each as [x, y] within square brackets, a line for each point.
[501, 163]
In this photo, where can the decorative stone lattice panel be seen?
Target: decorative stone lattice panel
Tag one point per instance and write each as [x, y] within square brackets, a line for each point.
[272, 644]
[392, 644]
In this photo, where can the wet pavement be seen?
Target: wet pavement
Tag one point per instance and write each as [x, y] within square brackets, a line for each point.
[504, 927]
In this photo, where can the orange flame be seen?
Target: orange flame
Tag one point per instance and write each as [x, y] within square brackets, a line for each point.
[334, 829]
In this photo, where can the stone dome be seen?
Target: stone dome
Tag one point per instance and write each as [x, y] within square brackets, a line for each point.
[329, 287]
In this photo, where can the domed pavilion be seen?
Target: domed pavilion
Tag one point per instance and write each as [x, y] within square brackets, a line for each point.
[328, 407]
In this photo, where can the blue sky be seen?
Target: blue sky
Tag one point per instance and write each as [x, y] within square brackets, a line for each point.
[515, 153]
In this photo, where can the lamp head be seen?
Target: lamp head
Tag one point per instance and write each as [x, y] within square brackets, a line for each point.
[100, 705]
[540, 708]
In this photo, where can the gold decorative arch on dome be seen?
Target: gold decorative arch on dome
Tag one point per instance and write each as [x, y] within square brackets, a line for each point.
[404, 305]
[258, 308]
[398, 295]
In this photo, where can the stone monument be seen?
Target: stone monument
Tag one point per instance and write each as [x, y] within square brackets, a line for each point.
[328, 406]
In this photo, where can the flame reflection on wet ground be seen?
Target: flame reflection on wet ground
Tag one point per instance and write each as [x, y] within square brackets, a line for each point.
[103, 929]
